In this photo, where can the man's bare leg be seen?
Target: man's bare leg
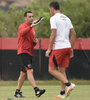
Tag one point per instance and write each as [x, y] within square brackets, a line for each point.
[69, 85]
[21, 80]
[53, 71]
[62, 70]
[31, 80]
[63, 86]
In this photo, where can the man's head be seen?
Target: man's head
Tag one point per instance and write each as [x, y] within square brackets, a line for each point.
[28, 16]
[53, 7]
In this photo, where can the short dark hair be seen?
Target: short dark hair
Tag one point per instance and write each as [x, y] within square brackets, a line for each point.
[55, 5]
[25, 14]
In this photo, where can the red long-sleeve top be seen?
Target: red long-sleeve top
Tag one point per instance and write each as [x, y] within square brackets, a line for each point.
[26, 36]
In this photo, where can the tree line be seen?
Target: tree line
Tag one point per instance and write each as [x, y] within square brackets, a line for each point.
[77, 10]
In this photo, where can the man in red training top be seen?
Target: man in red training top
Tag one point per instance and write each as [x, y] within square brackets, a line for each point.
[26, 43]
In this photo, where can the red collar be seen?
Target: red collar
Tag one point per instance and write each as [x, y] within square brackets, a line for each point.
[27, 24]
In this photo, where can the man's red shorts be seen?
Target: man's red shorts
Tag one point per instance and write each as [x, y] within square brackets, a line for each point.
[60, 58]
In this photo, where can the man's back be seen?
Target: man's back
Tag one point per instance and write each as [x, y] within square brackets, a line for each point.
[62, 24]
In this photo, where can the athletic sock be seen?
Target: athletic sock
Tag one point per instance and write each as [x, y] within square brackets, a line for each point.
[17, 90]
[62, 92]
[36, 89]
[68, 84]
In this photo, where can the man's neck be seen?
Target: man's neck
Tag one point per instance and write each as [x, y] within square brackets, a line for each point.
[28, 23]
[57, 11]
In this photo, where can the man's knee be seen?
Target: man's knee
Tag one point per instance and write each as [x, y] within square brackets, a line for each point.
[23, 74]
[50, 70]
[30, 71]
[62, 70]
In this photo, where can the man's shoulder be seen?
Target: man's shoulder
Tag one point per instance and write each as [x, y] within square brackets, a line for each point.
[55, 17]
[22, 25]
[52, 18]
[65, 16]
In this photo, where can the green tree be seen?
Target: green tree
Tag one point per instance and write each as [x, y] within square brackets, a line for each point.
[77, 10]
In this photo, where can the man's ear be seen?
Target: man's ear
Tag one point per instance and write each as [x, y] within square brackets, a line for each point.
[52, 9]
[25, 18]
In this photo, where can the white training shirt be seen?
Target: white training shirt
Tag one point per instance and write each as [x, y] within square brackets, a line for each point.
[62, 24]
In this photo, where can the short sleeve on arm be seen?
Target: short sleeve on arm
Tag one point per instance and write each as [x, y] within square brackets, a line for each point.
[71, 26]
[53, 23]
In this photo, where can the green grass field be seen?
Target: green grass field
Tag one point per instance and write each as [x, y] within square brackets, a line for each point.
[81, 91]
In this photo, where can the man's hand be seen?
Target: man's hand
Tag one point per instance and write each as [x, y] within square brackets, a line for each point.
[47, 53]
[35, 41]
[33, 23]
[72, 54]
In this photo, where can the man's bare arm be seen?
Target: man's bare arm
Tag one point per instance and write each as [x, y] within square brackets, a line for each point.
[52, 39]
[73, 37]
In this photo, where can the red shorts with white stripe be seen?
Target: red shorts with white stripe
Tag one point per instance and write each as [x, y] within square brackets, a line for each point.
[60, 58]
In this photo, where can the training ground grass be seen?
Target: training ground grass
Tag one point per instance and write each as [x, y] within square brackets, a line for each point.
[81, 91]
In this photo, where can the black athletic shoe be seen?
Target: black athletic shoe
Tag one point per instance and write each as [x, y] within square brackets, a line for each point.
[40, 92]
[19, 95]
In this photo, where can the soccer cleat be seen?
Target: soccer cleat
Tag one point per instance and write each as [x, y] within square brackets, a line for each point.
[69, 89]
[60, 96]
[40, 92]
[19, 95]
